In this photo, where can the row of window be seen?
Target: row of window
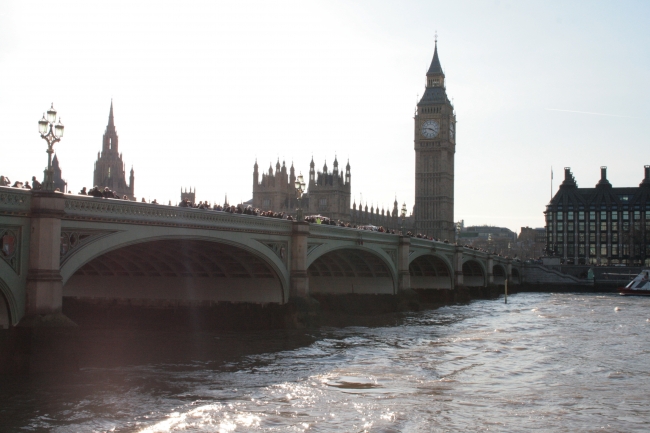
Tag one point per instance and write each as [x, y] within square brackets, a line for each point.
[604, 215]
[592, 237]
[603, 226]
[605, 250]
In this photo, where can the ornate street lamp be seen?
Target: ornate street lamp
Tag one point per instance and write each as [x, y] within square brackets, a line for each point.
[402, 217]
[51, 133]
[300, 189]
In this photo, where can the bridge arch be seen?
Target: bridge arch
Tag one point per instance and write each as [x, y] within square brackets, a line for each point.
[351, 269]
[499, 273]
[177, 268]
[474, 274]
[430, 271]
[7, 308]
[516, 277]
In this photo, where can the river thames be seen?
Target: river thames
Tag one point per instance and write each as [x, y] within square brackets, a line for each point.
[544, 361]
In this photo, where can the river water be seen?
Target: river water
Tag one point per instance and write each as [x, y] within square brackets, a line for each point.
[545, 362]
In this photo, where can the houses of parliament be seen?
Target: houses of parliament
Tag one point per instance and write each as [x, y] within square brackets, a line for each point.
[329, 192]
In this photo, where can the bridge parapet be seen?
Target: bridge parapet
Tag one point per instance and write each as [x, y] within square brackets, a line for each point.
[351, 234]
[14, 201]
[113, 210]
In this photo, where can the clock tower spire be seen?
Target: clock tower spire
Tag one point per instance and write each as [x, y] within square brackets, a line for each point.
[435, 146]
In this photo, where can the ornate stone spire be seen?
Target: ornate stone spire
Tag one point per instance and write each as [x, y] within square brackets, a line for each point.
[435, 68]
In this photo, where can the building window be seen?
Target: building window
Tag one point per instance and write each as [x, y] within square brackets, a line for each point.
[569, 226]
[603, 237]
[569, 215]
[614, 250]
[592, 216]
[626, 226]
[614, 216]
[614, 237]
[581, 238]
[266, 203]
[603, 250]
[592, 250]
[322, 203]
[560, 217]
[603, 225]
[592, 226]
[560, 237]
[560, 249]
[581, 226]
[560, 226]
[581, 250]
[592, 237]
[603, 215]
[626, 215]
[581, 216]
[570, 251]
[614, 226]
[570, 238]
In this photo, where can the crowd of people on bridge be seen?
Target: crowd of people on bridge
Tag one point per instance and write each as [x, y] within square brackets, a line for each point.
[101, 193]
[5, 181]
[239, 209]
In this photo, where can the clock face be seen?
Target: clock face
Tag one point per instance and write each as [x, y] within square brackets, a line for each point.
[430, 128]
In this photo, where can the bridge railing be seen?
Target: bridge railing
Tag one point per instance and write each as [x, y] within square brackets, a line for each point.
[14, 200]
[115, 210]
[349, 233]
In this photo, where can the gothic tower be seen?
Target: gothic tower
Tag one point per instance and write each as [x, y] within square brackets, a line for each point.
[435, 146]
[109, 168]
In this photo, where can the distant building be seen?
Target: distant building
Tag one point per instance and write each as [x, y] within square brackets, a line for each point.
[601, 225]
[189, 195]
[490, 238]
[328, 194]
[109, 168]
[531, 242]
[59, 183]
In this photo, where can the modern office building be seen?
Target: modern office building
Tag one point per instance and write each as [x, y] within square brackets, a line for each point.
[601, 225]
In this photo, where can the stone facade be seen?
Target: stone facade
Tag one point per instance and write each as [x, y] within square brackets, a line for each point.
[109, 167]
[435, 146]
[328, 194]
[189, 195]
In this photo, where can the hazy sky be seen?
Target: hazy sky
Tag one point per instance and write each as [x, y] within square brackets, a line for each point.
[202, 89]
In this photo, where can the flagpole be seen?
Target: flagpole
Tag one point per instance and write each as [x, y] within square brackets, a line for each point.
[551, 183]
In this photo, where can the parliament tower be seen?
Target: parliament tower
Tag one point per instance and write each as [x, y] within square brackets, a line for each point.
[109, 168]
[435, 146]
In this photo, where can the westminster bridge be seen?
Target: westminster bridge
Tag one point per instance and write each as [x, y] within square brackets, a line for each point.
[58, 245]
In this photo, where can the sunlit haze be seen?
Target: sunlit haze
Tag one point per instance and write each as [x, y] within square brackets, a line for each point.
[203, 89]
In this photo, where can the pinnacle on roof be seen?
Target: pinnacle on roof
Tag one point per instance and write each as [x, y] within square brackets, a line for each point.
[435, 68]
[111, 121]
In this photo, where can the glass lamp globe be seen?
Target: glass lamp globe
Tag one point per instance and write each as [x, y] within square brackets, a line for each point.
[51, 114]
[58, 129]
[42, 125]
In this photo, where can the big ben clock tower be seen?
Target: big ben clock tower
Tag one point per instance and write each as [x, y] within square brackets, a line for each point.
[435, 146]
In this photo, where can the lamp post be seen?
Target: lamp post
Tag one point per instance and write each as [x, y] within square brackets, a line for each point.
[51, 133]
[300, 189]
[402, 216]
